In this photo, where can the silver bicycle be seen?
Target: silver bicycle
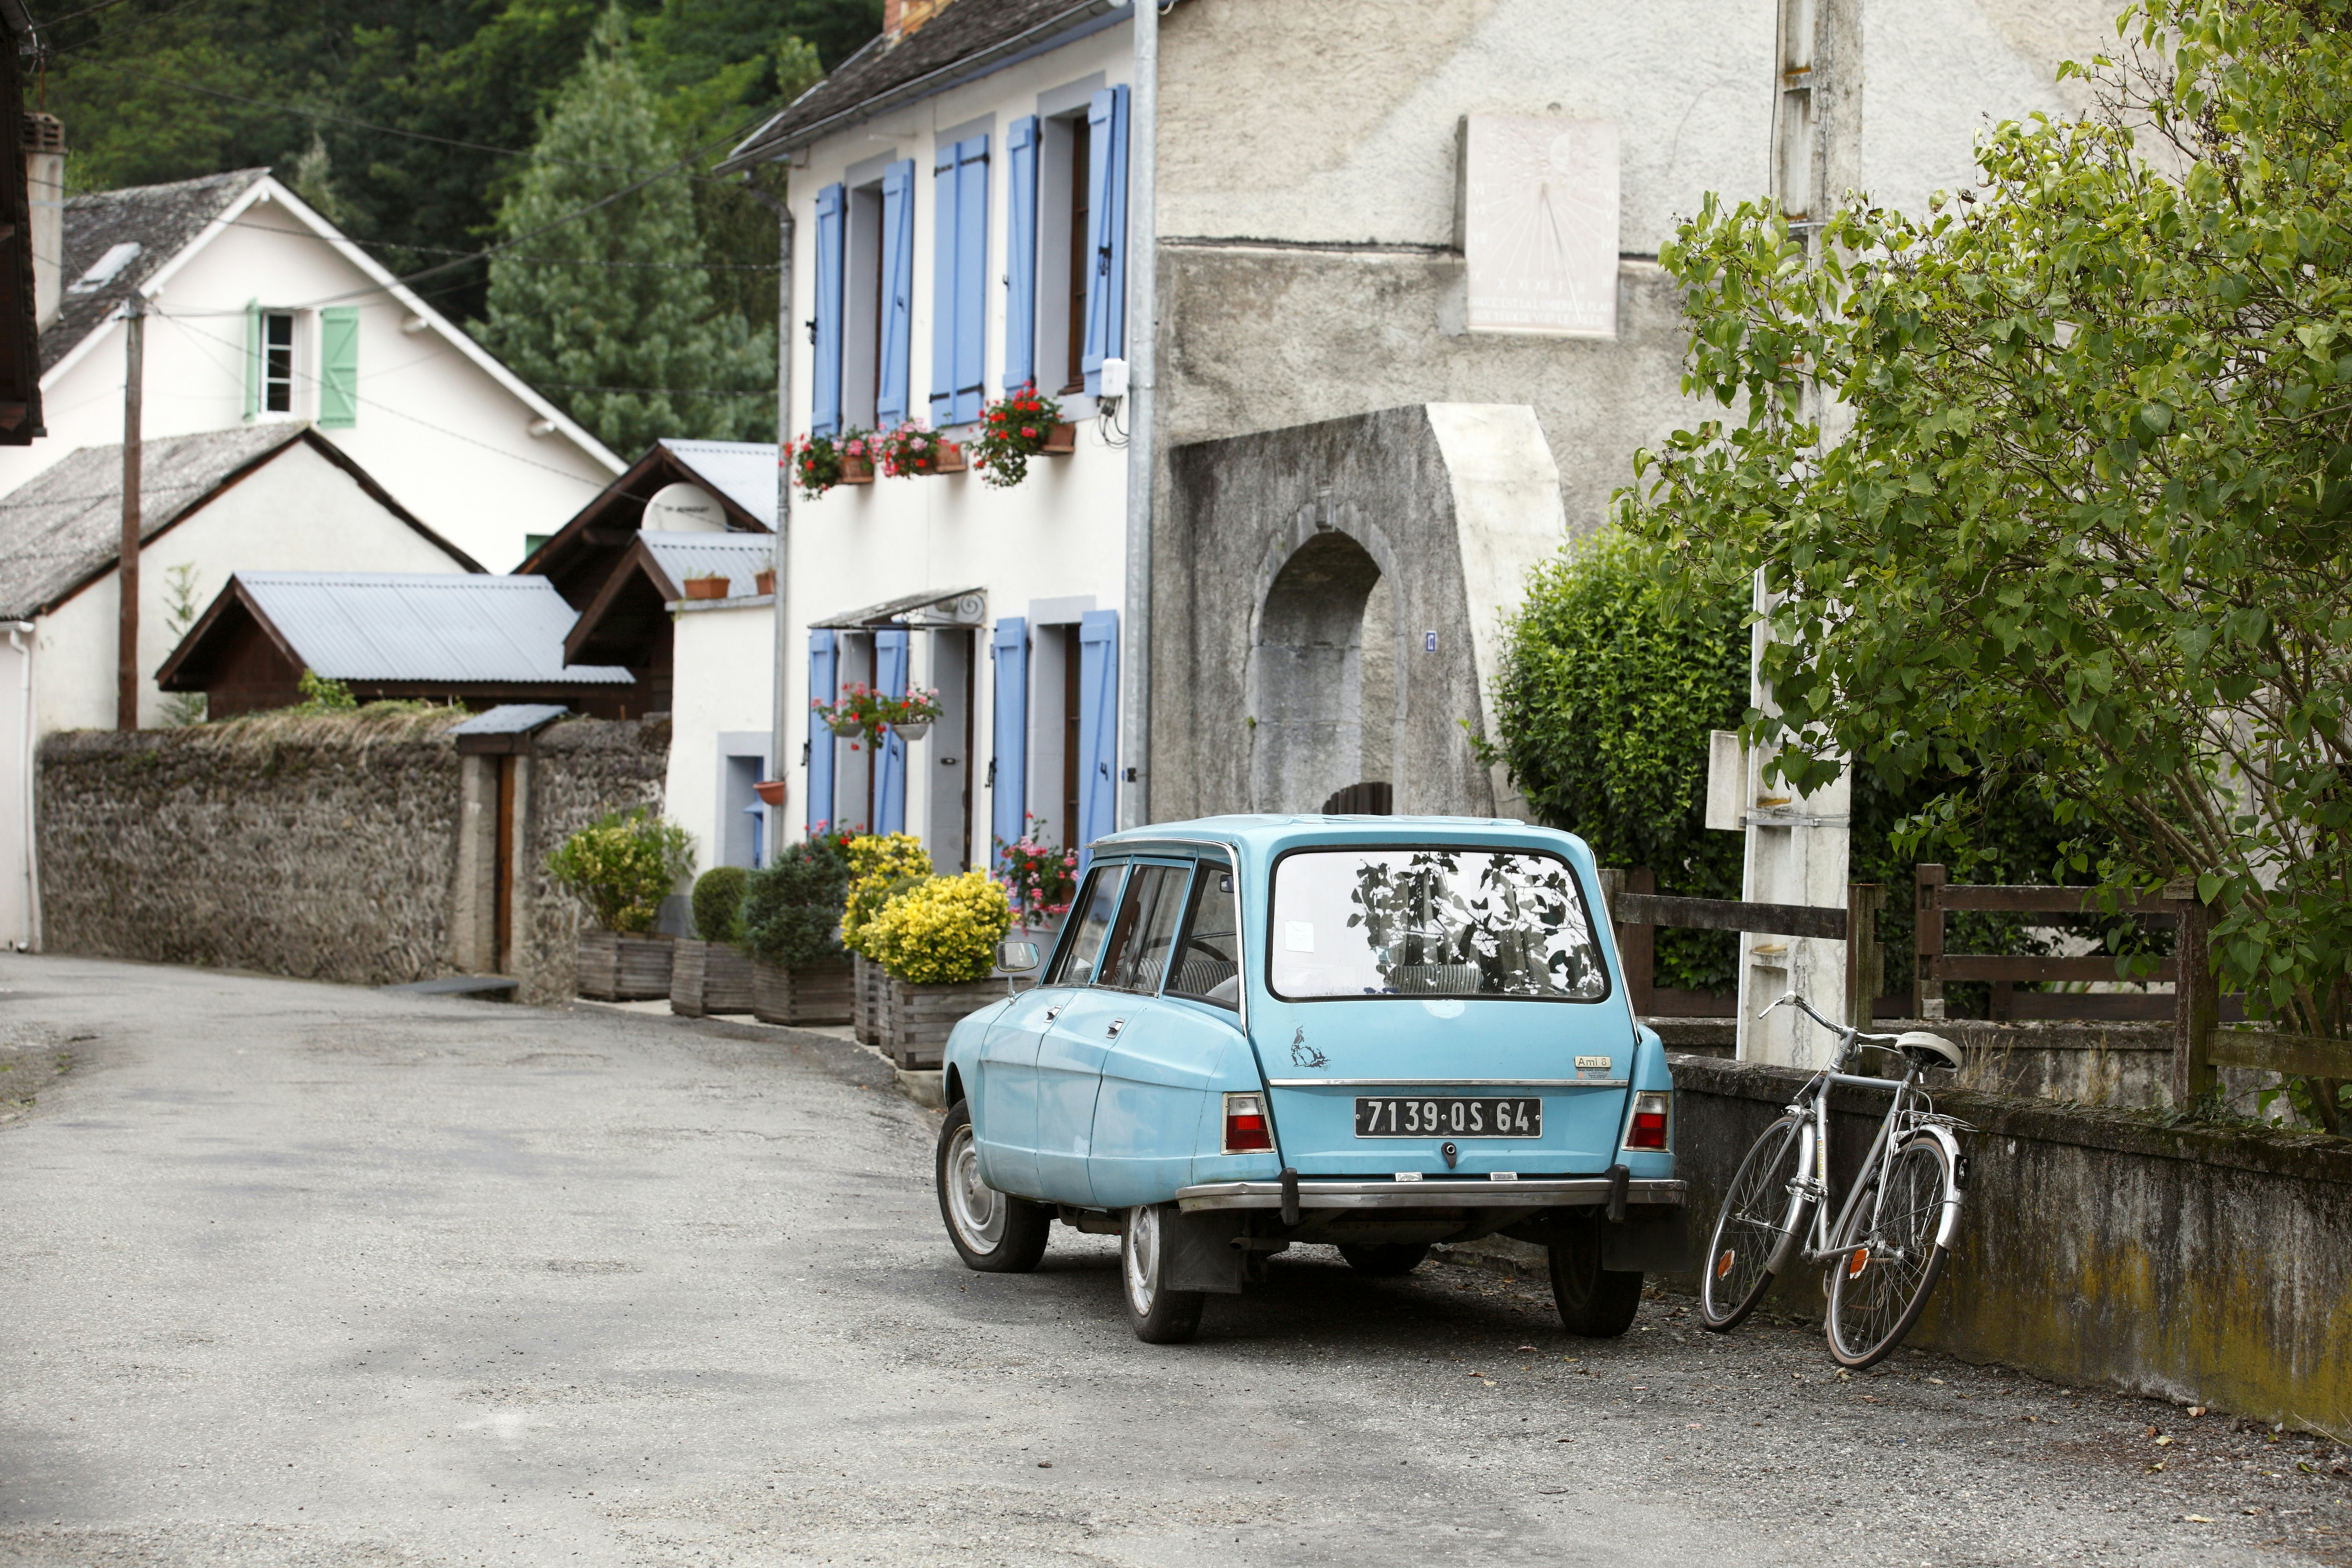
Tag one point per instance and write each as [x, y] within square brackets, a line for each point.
[1886, 1248]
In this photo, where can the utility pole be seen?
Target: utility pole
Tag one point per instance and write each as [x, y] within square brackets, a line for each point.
[1142, 455]
[126, 576]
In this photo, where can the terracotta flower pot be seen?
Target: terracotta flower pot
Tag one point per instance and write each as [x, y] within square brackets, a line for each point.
[857, 471]
[950, 459]
[765, 582]
[1061, 441]
[770, 791]
[706, 587]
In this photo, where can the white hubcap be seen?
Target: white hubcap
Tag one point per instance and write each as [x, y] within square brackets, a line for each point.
[1143, 1259]
[978, 1208]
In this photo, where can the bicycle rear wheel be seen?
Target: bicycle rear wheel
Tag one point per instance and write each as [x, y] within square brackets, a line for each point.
[1878, 1293]
[1760, 1214]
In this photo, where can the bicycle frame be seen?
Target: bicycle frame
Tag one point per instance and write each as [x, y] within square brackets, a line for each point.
[1812, 1105]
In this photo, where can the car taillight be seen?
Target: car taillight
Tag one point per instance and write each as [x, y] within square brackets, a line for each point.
[1649, 1129]
[1247, 1130]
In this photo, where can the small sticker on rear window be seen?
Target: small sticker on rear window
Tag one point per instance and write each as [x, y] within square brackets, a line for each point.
[1299, 936]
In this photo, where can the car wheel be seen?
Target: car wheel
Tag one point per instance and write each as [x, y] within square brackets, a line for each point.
[995, 1234]
[1160, 1316]
[1596, 1303]
[1385, 1262]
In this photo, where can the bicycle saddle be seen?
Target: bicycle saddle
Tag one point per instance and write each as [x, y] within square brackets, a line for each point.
[1928, 1050]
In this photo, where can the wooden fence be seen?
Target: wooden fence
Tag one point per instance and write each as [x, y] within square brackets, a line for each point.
[2194, 1007]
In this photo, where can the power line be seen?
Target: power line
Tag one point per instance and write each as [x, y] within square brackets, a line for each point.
[544, 261]
[334, 119]
[42, 54]
[656, 391]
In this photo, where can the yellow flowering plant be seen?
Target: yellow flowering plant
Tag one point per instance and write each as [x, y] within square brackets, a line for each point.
[942, 932]
[880, 865]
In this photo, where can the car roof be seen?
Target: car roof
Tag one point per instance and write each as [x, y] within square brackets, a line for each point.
[1265, 836]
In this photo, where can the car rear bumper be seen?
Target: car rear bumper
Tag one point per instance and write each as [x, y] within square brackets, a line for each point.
[1454, 1193]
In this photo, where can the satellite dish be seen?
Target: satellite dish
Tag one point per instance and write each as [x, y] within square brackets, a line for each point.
[684, 509]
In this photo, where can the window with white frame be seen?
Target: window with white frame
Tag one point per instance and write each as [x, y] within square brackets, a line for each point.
[278, 362]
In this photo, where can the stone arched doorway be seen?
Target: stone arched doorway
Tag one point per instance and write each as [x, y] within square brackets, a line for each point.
[1323, 682]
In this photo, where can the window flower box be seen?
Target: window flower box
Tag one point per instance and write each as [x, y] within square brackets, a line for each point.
[1022, 425]
[706, 587]
[1060, 441]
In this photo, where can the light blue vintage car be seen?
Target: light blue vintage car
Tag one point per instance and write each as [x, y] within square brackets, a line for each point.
[1377, 1032]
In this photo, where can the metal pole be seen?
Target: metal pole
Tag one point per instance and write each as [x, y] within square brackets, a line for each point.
[126, 675]
[1142, 458]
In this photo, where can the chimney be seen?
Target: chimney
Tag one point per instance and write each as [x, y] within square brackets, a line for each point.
[44, 191]
[890, 17]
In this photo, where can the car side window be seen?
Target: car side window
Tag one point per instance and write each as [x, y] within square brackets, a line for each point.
[1092, 914]
[1145, 932]
[1208, 966]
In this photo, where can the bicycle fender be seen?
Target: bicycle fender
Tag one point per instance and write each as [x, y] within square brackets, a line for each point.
[1950, 1220]
[1793, 1227]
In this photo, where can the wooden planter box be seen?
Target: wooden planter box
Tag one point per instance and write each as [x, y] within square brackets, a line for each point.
[919, 1017]
[710, 977]
[952, 459]
[805, 994]
[1061, 441]
[866, 1015]
[617, 968]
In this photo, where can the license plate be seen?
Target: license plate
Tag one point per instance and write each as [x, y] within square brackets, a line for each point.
[1448, 1117]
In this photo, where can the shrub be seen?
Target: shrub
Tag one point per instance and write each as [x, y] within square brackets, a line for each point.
[623, 865]
[880, 865]
[718, 904]
[791, 910]
[941, 932]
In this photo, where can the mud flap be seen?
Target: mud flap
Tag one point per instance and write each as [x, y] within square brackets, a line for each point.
[1652, 1239]
[1201, 1251]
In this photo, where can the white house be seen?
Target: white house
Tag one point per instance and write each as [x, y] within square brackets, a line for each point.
[1408, 329]
[260, 313]
[275, 496]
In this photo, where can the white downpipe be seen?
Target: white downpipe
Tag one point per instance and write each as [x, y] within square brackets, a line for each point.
[1142, 456]
[24, 649]
[780, 714]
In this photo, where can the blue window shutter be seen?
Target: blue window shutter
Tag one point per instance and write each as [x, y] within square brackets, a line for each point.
[338, 367]
[890, 789]
[821, 689]
[1008, 794]
[944, 284]
[1107, 216]
[824, 380]
[1097, 728]
[1021, 254]
[971, 278]
[898, 291]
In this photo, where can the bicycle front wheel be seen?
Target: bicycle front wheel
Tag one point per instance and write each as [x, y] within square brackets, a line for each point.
[1878, 1291]
[1760, 1214]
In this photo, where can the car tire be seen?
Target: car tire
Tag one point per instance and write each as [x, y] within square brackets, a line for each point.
[1596, 1303]
[1385, 1262]
[1160, 1316]
[994, 1232]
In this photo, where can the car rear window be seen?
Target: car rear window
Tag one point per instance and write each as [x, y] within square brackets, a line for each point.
[1430, 921]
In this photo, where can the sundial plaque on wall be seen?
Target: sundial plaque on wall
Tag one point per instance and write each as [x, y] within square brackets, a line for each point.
[1539, 225]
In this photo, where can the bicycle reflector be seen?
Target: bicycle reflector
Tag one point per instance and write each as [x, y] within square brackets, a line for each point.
[1649, 1129]
[1247, 1130]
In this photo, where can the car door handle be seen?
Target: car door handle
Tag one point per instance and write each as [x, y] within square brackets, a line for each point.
[1116, 1025]
[1055, 1011]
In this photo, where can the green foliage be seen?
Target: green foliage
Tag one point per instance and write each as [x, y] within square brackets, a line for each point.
[630, 326]
[718, 901]
[941, 930]
[321, 695]
[2083, 508]
[129, 80]
[181, 609]
[623, 866]
[793, 908]
[1609, 687]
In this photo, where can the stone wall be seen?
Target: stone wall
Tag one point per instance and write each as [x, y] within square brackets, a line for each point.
[2193, 1264]
[325, 848]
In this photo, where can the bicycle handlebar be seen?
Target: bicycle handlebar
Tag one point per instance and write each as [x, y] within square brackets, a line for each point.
[1789, 998]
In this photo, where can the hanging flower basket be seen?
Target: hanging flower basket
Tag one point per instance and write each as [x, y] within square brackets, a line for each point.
[864, 713]
[1016, 428]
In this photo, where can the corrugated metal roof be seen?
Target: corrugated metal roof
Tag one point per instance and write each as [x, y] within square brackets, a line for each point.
[511, 719]
[65, 523]
[738, 557]
[744, 470]
[399, 625]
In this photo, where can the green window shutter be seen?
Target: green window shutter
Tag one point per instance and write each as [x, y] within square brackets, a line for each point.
[252, 358]
[338, 367]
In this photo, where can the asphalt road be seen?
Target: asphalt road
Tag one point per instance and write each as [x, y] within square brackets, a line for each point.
[298, 1274]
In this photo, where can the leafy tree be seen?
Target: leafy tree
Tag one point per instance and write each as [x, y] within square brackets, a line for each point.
[633, 348]
[2085, 508]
